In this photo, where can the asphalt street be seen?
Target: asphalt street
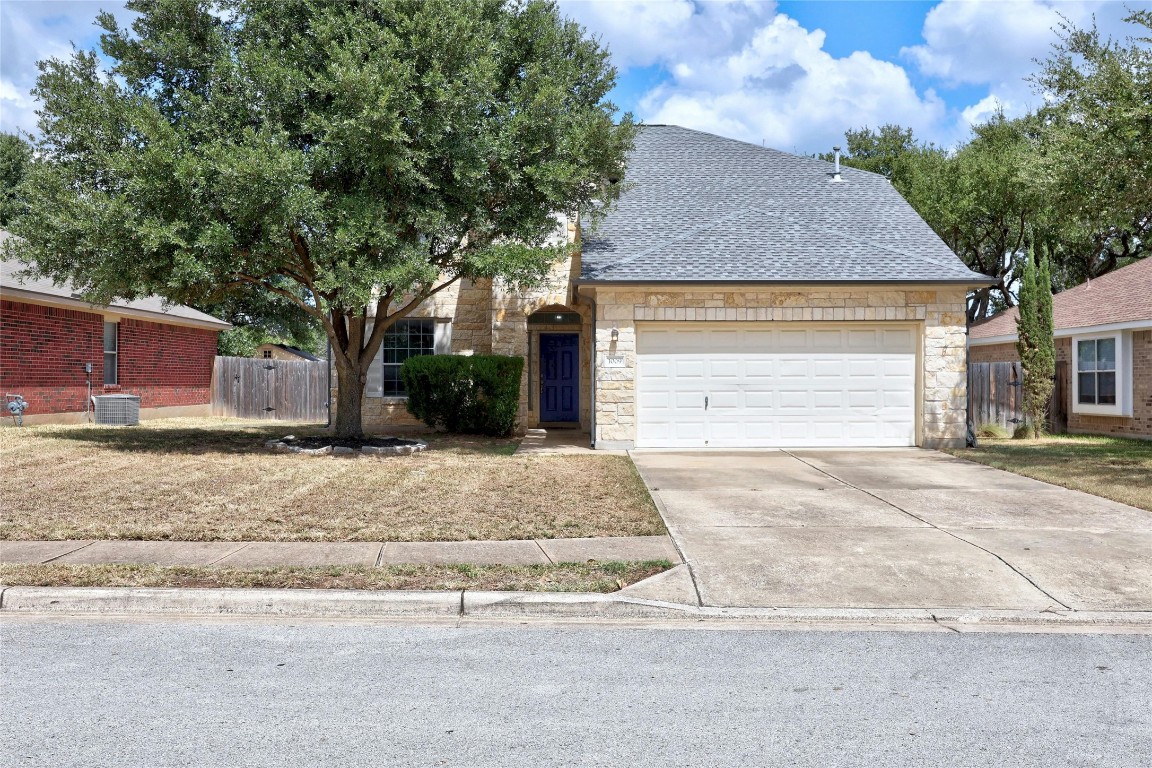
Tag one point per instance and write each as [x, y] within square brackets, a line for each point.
[211, 693]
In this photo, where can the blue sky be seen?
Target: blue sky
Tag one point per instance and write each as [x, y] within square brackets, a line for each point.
[792, 74]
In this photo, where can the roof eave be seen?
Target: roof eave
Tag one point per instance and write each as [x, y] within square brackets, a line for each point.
[35, 297]
[952, 283]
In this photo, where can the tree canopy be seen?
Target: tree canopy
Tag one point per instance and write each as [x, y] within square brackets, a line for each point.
[15, 154]
[1072, 180]
[350, 158]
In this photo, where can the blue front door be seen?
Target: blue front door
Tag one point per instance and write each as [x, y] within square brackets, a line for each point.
[559, 377]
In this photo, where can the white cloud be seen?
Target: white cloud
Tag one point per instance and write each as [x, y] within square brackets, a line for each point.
[743, 71]
[643, 32]
[997, 44]
[34, 31]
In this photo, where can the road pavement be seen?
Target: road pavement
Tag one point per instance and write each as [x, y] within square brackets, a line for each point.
[169, 692]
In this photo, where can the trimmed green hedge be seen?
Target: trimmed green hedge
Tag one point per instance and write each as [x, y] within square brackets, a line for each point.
[476, 394]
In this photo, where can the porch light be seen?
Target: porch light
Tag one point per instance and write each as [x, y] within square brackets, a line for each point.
[615, 334]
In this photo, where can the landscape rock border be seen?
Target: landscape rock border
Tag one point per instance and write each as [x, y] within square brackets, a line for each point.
[408, 446]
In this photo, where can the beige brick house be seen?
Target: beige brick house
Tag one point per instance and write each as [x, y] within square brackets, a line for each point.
[1104, 338]
[735, 296]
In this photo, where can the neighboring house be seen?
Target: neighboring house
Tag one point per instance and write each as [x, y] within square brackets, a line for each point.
[284, 352]
[1104, 338]
[48, 333]
[735, 296]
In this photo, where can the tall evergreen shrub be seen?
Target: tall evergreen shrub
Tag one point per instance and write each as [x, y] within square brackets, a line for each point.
[1035, 345]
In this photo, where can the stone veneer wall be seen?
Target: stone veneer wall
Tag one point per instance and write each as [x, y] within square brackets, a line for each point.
[942, 313]
[492, 318]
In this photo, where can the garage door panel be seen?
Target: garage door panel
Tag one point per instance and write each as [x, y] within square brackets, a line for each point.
[773, 386]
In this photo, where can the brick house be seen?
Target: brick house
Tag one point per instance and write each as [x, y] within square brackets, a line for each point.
[736, 296]
[48, 333]
[1104, 337]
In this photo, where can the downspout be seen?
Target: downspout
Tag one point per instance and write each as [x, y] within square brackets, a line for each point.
[592, 377]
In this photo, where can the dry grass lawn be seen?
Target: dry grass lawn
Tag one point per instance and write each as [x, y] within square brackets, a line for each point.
[565, 577]
[212, 480]
[1111, 467]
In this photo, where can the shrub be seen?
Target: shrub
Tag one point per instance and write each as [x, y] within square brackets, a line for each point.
[991, 430]
[478, 394]
[1026, 431]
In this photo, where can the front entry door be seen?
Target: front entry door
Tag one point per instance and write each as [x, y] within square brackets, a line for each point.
[560, 377]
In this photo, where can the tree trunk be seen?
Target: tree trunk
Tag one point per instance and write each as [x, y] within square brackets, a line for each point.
[350, 381]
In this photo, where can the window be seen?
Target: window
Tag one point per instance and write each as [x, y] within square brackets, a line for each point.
[267, 353]
[405, 339]
[1096, 371]
[111, 350]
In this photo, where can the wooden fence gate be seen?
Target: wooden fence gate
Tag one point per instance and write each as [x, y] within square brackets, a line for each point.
[260, 388]
[994, 396]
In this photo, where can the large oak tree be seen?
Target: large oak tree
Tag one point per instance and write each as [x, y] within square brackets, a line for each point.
[353, 157]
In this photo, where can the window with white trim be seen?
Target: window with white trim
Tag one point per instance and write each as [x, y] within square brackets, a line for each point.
[1102, 374]
[1096, 371]
[111, 351]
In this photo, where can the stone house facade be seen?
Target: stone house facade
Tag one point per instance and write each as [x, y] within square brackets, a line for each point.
[734, 297]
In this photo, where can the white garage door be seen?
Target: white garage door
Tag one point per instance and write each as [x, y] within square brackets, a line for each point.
[775, 385]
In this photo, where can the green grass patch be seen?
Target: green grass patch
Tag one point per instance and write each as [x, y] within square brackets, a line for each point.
[1115, 468]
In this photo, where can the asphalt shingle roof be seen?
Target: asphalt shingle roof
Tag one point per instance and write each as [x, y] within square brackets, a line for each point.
[702, 208]
[1121, 296]
[10, 278]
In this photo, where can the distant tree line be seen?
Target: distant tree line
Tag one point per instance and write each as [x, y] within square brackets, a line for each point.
[1071, 182]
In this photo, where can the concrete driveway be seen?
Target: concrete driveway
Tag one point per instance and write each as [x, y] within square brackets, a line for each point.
[894, 528]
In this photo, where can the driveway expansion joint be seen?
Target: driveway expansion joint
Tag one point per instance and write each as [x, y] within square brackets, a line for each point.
[932, 525]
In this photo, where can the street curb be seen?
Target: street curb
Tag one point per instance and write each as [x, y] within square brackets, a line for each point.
[315, 603]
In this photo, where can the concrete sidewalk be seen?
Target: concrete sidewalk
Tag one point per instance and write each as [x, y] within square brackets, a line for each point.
[266, 554]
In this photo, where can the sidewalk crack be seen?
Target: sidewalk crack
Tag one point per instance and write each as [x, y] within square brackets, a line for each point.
[241, 548]
[932, 525]
[69, 552]
[542, 551]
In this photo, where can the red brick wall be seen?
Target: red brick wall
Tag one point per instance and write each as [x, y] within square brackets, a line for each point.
[1140, 423]
[993, 353]
[43, 349]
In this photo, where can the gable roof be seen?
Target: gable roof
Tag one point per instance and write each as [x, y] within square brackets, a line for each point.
[702, 208]
[294, 351]
[1122, 296]
[17, 288]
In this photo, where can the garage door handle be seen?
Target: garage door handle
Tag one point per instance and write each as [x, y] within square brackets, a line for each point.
[705, 402]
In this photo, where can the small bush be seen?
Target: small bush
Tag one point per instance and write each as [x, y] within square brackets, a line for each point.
[1025, 431]
[992, 430]
[477, 394]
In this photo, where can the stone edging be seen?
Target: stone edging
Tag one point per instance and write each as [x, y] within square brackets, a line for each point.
[339, 450]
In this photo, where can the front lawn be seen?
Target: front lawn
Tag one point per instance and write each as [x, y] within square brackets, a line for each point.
[562, 577]
[1112, 467]
[212, 479]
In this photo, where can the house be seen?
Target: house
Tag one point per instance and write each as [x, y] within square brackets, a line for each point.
[735, 296]
[49, 333]
[284, 352]
[1103, 331]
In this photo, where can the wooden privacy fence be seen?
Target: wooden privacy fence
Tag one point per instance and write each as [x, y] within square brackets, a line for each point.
[994, 396]
[280, 390]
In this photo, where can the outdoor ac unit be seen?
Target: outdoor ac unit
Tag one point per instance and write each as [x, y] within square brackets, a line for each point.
[119, 410]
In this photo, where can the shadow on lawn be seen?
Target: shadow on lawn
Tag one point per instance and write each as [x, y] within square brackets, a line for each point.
[239, 439]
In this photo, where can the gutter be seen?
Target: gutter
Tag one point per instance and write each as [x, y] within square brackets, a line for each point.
[967, 282]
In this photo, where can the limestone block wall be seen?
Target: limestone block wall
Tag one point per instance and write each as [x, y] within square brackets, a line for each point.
[941, 314]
